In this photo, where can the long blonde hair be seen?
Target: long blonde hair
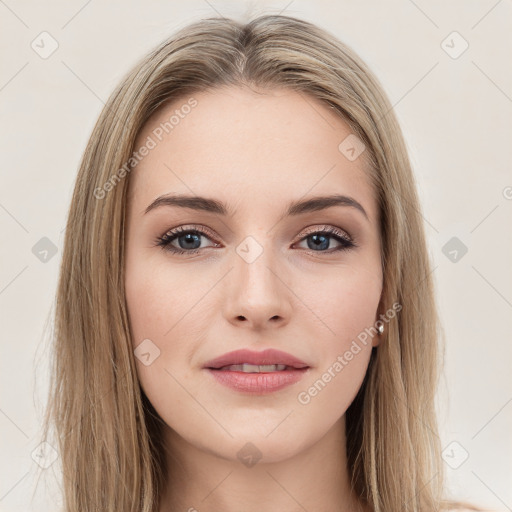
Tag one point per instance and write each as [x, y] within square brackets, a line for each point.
[109, 436]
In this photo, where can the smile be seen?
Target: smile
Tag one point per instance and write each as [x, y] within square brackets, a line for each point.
[255, 368]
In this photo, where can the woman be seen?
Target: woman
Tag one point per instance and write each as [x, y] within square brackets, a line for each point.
[245, 316]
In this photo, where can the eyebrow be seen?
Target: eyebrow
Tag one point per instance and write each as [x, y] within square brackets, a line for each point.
[293, 208]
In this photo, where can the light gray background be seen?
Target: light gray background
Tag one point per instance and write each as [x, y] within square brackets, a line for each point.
[455, 113]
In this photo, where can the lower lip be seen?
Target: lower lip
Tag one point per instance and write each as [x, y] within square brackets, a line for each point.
[258, 383]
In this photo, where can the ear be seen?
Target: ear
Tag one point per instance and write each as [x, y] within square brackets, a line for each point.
[376, 340]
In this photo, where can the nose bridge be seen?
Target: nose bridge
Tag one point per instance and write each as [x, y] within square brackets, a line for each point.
[256, 292]
[253, 263]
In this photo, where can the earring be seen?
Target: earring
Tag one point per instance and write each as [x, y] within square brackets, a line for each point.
[380, 328]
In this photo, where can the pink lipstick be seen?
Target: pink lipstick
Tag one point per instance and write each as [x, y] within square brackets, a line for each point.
[257, 372]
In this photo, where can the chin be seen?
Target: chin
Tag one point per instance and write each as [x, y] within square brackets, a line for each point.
[276, 446]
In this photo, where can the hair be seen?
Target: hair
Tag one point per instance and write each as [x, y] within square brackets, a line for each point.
[109, 435]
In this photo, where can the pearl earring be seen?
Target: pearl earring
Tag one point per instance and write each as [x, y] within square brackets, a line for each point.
[380, 328]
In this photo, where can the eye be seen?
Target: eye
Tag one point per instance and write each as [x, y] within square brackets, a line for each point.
[189, 240]
[320, 240]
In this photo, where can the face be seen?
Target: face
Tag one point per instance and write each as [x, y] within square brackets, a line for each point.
[244, 271]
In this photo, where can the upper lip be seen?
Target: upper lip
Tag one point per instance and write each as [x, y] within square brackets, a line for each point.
[268, 356]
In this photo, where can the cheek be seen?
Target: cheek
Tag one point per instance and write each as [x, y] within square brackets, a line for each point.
[157, 298]
[348, 309]
[345, 304]
[154, 309]
[168, 321]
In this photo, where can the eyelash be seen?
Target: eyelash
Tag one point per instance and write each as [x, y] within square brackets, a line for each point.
[165, 240]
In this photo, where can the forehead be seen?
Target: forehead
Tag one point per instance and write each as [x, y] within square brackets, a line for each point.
[249, 149]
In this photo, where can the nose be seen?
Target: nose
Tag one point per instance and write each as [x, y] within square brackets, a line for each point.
[257, 294]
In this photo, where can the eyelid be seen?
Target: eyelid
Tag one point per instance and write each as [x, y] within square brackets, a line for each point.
[326, 228]
[188, 228]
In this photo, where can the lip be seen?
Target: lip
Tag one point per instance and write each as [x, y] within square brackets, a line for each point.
[257, 383]
[268, 356]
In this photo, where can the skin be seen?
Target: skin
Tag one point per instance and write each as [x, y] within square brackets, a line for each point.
[255, 151]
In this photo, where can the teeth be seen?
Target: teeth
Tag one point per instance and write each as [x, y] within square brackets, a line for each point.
[254, 368]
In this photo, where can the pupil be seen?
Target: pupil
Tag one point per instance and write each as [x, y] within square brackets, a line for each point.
[190, 238]
[323, 244]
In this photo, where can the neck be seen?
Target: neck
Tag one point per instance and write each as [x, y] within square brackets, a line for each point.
[315, 478]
